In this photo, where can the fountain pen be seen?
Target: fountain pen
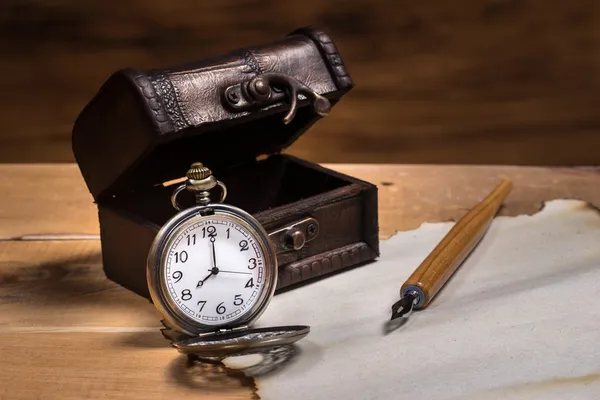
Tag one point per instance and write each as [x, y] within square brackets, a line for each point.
[433, 273]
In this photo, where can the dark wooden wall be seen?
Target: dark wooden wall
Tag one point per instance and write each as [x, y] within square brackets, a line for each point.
[468, 81]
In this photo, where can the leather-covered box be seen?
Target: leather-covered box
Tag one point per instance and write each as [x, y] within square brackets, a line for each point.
[234, 113]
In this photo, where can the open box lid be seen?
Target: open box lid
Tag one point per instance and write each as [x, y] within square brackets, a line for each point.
[144, 127]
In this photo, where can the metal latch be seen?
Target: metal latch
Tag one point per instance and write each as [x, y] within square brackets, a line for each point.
[294, 236]
[270, 88]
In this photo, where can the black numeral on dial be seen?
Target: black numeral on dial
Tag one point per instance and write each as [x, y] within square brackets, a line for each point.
[191, 240]
[181, 256]
[186, 295]
[238, 300]
[210, 230]
[177, 275]
[203, 304]
[250, 283]
[244, 245]
[221, 309]
[252, 263]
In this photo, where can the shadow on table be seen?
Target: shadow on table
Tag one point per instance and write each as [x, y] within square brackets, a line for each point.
[148, 340]
[70, 281]
[233, 373]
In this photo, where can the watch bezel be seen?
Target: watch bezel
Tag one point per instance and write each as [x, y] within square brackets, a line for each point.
[157, 257]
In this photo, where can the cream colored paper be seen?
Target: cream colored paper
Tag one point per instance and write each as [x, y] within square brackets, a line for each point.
[519, 320]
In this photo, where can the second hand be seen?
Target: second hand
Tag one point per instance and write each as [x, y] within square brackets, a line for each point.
[235, 272]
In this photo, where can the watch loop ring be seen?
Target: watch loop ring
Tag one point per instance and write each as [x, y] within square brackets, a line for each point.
[223, 191]
[174, 197]
[201, 195]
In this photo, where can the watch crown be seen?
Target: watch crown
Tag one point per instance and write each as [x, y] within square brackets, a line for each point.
[200, 181]
[198, 172]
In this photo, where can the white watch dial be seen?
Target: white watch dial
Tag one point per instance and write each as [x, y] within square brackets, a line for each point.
[215, 270]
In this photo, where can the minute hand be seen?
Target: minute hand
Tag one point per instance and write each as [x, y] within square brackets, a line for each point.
[214, 254]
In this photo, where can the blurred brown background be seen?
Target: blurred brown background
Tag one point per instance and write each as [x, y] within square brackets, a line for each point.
[471, 81]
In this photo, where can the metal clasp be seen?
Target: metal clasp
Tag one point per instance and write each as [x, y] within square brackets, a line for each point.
[294, 236]
[271, 88]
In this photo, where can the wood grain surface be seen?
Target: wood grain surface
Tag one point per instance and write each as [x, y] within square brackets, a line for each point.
[489, 82]
[52, 199]
[68, 333]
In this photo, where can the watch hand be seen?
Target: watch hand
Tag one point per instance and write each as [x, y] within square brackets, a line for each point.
[214, 254]
[213, 271]
[236, 272]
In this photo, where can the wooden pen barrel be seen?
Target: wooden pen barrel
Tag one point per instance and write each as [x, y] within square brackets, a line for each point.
[448, 255]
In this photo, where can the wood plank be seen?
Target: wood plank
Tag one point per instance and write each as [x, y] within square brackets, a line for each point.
[53, 199]
[412, 194]
[488, 82]
[114, 366]
[38, 199]
[66, 332]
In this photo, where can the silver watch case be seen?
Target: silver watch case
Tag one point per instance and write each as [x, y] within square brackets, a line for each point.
[209, 340]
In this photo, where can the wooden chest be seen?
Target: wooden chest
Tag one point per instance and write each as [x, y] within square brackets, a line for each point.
[235, 113]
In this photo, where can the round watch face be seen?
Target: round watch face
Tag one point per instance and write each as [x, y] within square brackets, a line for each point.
[216, 270]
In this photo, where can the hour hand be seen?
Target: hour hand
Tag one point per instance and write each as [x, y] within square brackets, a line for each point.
[201, 282]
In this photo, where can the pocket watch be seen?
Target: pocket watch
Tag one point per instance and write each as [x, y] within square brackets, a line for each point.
[211, 273]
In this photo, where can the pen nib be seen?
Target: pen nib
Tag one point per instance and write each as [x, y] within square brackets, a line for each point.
[403, 307]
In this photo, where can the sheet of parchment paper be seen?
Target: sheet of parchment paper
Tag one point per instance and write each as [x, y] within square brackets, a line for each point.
[519, 320]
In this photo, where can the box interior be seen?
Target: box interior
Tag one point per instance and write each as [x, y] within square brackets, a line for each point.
[220, 146]
[254, 186]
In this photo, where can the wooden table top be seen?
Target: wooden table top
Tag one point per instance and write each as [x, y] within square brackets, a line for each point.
[66, 332]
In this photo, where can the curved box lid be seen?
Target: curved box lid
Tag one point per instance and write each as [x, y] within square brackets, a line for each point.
[144, 127]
